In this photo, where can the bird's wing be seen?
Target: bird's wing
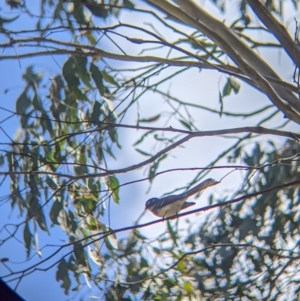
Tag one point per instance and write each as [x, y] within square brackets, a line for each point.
[187, 204]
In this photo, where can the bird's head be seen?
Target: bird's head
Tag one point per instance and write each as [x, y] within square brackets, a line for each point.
[151, 203]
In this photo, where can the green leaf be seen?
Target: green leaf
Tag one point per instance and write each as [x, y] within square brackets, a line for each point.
[181, 267]
[150, 119]
[211, 200]
[143, 153]
[111, 240]
[221, 104]
[97, 10]
[55, 209]
[113, 134]
[139, 234]
[96, 113]
[27, 236]
[94, 186]
[79, 254]
[40, 218]
[98, 78]
[131, 243]
[36, 103]
[22, 103]
[143, 137]
[109, 151]
[172, 232]
[155, 166]
[81, 71]
[113, 185]
[49, 157]
[79, 14]
[108, 78]
[188, 287]
[93, 224]
[78, 93]
[111, 108]
[128, 4]
[90, 37]
[46, 124]
[62, 274]
[227, 88]
[69, 73]
[185, 124]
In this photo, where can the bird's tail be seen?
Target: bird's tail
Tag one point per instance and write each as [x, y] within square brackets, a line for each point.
[201, 186]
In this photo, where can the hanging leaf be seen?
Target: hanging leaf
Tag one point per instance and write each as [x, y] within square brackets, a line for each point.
[40, 218]
[62, 274]
[22, 103]
[108, 78]
[80, 63]
[27, 236]
[172, 232]
[143, 137]
[111, 240]
[143, 152]
[227, 88]
[98, 78]
[185, 124]
[69, 74]
[79, 254]
[113, 185]
[221, 104]
[155, 166]
[54, 212]
[96, 113]
[95, 256]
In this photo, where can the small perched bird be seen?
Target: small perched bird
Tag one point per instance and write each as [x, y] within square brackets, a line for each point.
[172, 204]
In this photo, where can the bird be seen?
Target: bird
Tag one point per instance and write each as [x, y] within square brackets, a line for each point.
[170, 205]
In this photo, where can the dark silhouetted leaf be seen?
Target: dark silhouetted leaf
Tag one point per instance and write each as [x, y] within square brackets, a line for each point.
[27, 236]
[98, 78]
[62, 274]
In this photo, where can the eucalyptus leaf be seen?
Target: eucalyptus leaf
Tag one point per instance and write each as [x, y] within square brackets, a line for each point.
[113, 185]
[27, 236]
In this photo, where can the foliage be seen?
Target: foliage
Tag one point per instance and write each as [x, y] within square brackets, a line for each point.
[65, 164]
